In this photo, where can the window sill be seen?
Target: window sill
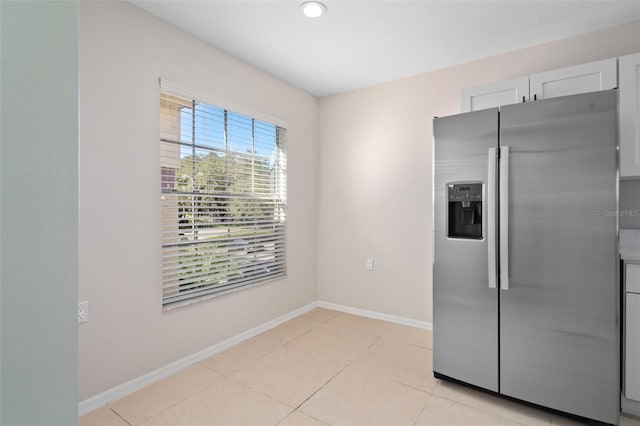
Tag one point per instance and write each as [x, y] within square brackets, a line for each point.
[183, 303]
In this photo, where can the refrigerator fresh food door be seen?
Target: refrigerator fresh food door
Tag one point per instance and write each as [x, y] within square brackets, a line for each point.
[559, 319]
[465, 308]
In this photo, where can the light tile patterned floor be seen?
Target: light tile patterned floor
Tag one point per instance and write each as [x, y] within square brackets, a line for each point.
[322, 368]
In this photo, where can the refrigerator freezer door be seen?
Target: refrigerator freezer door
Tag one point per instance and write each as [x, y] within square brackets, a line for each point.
[465, 309]
[559, 335]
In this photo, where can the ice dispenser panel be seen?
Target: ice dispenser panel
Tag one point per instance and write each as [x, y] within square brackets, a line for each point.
[465, 210]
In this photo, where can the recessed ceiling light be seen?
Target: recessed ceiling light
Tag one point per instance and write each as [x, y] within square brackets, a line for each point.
[313, 9]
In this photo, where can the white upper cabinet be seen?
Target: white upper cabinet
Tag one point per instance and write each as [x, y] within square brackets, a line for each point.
[495, 94]
[629, 115]
[591, 77]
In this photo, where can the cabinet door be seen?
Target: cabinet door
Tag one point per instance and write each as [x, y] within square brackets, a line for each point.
[632, 347]
[591, 77]
[629, 115]
[495, 94]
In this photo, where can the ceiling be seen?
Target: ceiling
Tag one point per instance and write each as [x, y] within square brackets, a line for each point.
[362, 43]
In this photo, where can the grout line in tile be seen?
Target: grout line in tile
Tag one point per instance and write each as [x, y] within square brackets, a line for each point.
[355, 329]
[424, 407]
[116, 413]
[302, 412]
[415, 388]
[224, 374]
[488, 411]
[273, 399]
[211, 369]
[171, 405]
[372, 343]
[462, 403]
[286, 417]
[121, 416]
[482, 410]
[303, 334]
[416, 346]
[323, 385]
[260, 392]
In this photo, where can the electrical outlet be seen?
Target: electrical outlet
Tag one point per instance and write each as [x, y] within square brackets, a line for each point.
[369, 264]
[83, 312]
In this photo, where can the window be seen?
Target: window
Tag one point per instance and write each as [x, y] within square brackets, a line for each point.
[223, 190]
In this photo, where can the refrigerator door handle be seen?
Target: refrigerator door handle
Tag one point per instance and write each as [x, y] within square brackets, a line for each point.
[504, 218]
[491, 216]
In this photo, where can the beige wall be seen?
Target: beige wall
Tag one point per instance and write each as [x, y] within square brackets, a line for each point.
[123, 51]
[375, 165]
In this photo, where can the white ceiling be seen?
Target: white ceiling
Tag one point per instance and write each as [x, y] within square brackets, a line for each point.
[362, 43]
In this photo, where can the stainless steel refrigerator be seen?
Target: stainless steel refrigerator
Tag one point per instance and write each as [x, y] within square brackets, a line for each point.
[525, 274]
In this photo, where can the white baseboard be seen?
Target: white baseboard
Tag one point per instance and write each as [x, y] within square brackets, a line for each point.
[630, 407]
[138, 383]
[376, 315]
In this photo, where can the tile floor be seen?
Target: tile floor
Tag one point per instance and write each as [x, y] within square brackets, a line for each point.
[322, 368]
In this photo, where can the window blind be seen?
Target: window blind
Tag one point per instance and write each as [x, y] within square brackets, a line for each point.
[223, 191]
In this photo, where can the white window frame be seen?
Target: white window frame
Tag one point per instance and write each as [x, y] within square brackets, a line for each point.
[244, 247]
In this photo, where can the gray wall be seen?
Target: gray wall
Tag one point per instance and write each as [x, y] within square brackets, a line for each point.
[629, 205]
[39, 212]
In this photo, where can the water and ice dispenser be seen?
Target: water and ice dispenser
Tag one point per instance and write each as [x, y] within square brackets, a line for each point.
[465, 210]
